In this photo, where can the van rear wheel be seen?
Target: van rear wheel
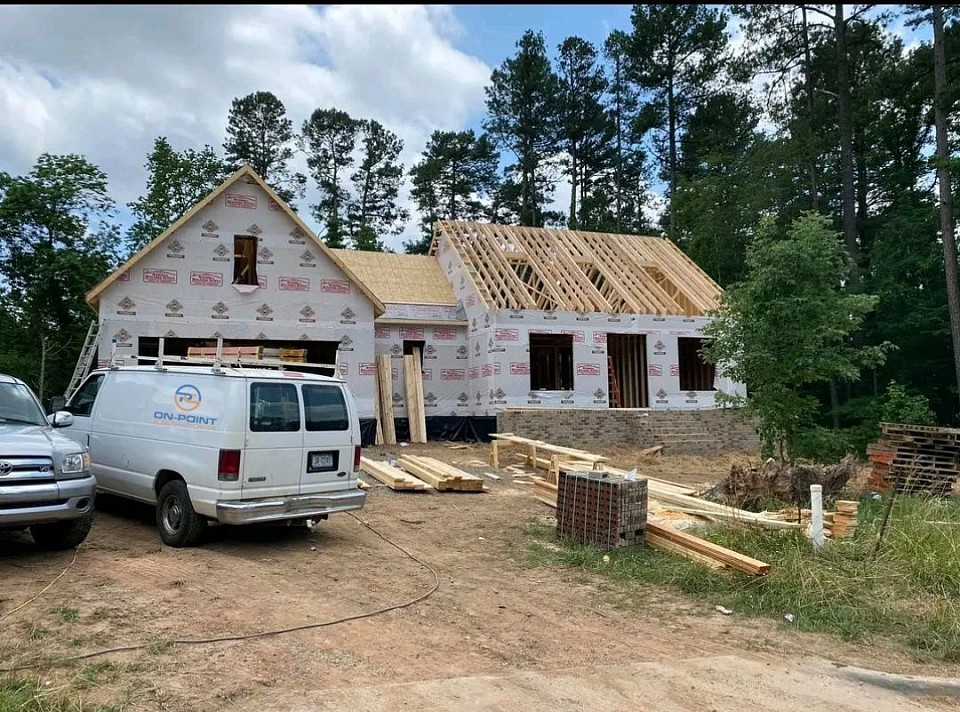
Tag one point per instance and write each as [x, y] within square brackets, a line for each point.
[177, 521]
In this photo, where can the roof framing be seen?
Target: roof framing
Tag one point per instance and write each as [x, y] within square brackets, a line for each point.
[515, 267]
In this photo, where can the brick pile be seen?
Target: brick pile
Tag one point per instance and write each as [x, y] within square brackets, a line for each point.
[594, 509]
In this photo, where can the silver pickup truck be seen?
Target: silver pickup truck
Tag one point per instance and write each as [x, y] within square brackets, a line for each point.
[45, 479]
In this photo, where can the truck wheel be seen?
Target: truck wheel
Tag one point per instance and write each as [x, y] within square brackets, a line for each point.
[58, 536]
[178, 523]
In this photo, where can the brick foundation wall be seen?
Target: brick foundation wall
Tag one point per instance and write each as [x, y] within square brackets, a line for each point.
[680, 431]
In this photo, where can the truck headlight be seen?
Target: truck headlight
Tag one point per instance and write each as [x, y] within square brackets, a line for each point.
[75, 464]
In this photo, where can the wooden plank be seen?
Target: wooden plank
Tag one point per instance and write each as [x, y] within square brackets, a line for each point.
[385, 384]
[662, 544]
[734, 559]
[462, 480]
[377, 411]
[441, 475]
[421, 406]
[413, 377]
[391, 476]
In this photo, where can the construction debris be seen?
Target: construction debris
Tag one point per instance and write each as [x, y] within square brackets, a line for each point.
[392, 477]
[751, 486]
[915, 459]
[440, 475]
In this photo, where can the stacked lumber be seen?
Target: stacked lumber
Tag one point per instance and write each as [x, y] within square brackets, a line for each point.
[842, 524]
[915, 459]
[385, 405]
[225, 352]
[392, 477]
[595, 509]
[440, 475]
[696, 548]
[545, 491]
[413, 379]
[286, 355]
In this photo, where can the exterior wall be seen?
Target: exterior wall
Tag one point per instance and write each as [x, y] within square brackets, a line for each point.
[182, 289]
[508, 344]
[686, 431]
[445, 364]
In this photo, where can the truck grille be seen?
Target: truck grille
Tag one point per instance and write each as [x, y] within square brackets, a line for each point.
[16, 470]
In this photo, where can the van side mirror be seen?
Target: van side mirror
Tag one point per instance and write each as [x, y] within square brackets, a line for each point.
[60, 419]
[57, 403]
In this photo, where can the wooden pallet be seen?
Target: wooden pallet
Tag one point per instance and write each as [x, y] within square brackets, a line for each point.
[443, 477]
[392, 477]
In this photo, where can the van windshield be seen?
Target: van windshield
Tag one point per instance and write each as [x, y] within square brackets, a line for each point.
[18, 406]
[325, 408]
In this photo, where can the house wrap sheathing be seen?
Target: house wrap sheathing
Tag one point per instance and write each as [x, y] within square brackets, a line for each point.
[504, 316]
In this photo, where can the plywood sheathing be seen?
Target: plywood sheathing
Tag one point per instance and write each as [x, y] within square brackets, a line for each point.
[400, 279]
[517, 267]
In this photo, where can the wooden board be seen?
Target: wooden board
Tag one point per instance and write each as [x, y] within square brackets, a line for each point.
[391, 476]
[413, 380]
[733, 559]
[663, 544]
[385, 385]
[442, 476]
[377, 411]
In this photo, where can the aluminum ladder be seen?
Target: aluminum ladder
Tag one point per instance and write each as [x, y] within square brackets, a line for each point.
[85, 359]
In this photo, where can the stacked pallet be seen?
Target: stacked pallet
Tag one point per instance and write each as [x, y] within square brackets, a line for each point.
[915, 459]
[416, 415]
[440, 475]
[391, 476]
[595, 509]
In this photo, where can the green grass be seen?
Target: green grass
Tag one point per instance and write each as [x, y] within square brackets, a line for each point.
[908, 592]
[67, 614]
[92, 674]
[21, 695]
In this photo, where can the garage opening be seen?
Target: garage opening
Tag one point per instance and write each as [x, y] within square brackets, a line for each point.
[324, 352]
[627, 370]
[551, 362]
[695, 373]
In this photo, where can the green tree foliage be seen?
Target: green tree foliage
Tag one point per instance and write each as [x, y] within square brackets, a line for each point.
[453, 180]
[586, 130]
[328, 139]
[376, 186]
[787, 326]
[522, 106]
[176, 181]
[676, 52]
[259, 133]
[56, 243]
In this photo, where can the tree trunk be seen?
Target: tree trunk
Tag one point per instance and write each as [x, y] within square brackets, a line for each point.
[846, 144]
[43, 367]
[672, 158]
[574, 167]
[943, 178]
[619, 179]
[808, 81]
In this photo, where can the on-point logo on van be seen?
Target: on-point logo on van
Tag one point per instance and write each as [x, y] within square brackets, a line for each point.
[187, 398]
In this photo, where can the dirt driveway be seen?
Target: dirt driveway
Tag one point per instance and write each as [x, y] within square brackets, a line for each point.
[497, 635]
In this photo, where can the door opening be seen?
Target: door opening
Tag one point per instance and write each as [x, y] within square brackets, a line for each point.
[627, 359]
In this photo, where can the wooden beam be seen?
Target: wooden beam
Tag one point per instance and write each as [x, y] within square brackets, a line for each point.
[385, 385]
[731, 558]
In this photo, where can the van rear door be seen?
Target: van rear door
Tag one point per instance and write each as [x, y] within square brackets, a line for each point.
[273, 458]
[328, 438]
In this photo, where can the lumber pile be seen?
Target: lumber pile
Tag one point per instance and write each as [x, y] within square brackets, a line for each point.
[545, 491]
[839, 524]
[413, 379]
[255, 352]
[392, 477]
[915, 459]
[697, 548]
[440, 475]
[384, 400]
[595, 509]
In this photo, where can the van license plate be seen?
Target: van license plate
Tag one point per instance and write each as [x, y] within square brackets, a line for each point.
[321, 461]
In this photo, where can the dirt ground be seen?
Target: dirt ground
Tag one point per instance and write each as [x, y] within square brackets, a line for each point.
[498, 634]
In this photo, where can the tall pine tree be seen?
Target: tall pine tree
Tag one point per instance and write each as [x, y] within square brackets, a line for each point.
[328, 139]
[374, 210]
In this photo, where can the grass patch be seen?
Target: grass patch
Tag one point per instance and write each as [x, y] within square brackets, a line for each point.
[909, 591]
[67, 614]
[21, 695]
[92, 674]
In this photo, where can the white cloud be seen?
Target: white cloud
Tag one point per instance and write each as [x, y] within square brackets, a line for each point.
[105, 81]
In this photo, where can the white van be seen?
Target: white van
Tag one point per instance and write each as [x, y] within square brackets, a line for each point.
[225, 444]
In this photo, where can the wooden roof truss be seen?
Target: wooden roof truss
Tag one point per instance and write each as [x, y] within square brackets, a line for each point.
[533, 268]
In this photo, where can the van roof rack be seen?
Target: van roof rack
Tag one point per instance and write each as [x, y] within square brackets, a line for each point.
[233, 357]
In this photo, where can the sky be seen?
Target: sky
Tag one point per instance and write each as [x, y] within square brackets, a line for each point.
[104, 81]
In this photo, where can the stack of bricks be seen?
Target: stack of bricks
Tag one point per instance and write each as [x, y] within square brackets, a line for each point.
[594, 508]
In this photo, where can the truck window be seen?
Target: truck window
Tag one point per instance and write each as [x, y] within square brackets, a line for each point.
[274, 408]
[325, 408]
[82, 402]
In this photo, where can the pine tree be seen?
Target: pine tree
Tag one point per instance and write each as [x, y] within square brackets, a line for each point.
[376, 186]
[328, 138]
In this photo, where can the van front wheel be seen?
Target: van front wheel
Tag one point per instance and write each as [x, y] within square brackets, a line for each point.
[178, 523]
